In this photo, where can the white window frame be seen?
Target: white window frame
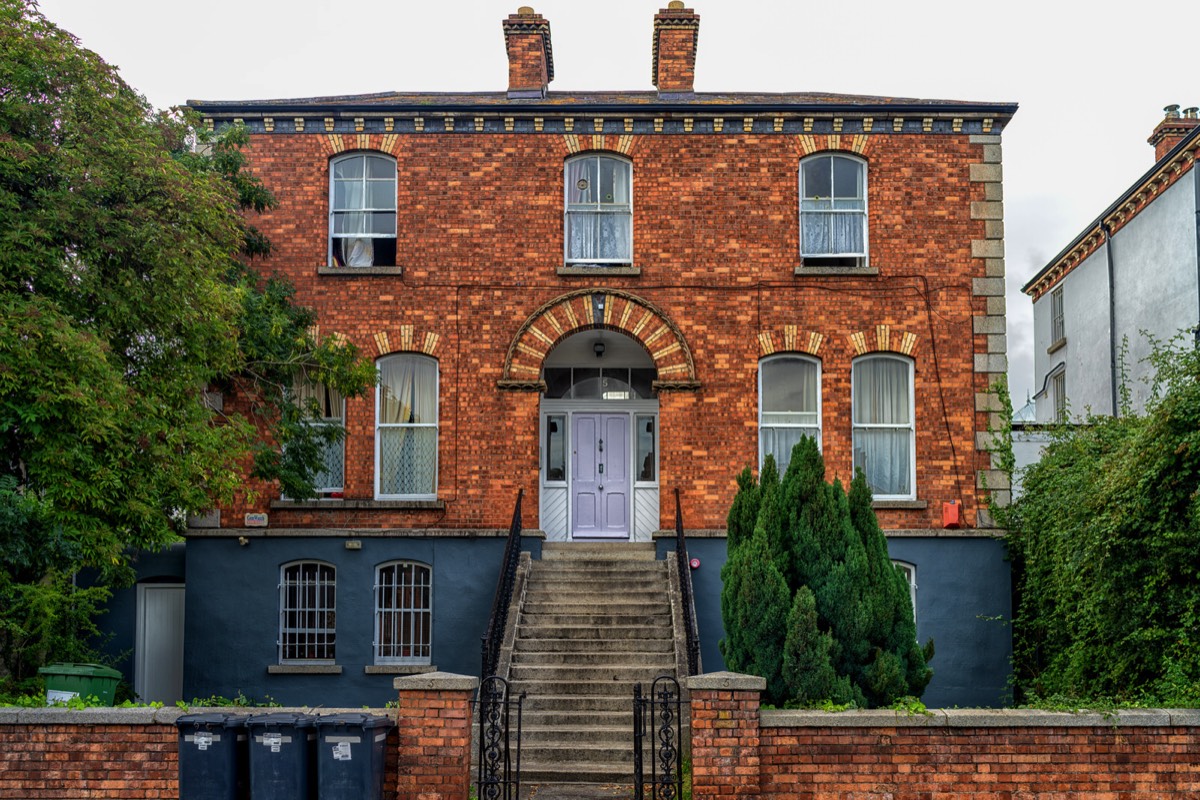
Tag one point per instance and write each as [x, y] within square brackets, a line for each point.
[380, 426]
[295, 635]
[1057, 320]
[331, 259]
[780, 358]
[910, 426]
[814, 259]
[909, 571]
[325, 421]
[394, 616]
[596, 208]
[1058, 390]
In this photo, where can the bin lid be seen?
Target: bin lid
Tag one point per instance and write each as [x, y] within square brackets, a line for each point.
[88, 670]
[354, 721]
[211, 720]
[280, 719]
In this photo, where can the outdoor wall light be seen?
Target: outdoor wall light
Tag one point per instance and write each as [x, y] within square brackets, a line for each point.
[599, 348]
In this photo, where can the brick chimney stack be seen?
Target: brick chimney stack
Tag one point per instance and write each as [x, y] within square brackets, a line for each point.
[676, 30]
[1173, 128]
[530, 58]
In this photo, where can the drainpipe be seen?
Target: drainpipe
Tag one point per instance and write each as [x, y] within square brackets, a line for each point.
[1112, 316]
[1196, 186]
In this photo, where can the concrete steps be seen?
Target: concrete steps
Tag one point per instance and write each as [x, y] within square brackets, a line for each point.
[596, 619]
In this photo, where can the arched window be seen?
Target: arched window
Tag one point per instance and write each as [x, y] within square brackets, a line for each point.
[884, 434]
[833, 211]
[789, 405]
[307, 612]
[362, 211]
[598, 199]
[406, 427]
[403, 613]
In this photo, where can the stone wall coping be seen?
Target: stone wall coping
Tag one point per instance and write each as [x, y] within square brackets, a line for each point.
[158, 716]
[981, 718]
[436, 682]
[725, 681]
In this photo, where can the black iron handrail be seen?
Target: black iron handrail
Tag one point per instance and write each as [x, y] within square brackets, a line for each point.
[498, 621]
[685, 589]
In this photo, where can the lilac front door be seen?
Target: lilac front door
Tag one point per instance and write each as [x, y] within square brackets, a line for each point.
[600, 470]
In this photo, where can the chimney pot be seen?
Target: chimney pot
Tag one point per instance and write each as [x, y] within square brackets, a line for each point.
[1173, 128]
[676, 30]
[530, 57]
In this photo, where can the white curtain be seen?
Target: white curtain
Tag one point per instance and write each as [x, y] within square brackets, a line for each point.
[357, 252]
[330, 411]
[408, 425]
[598, 209]
[883, 432]
[789, 402]
[833, 233]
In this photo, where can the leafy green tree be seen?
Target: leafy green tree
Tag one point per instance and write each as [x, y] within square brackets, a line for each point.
[1105, 542]
[849, 635]
[123, 300]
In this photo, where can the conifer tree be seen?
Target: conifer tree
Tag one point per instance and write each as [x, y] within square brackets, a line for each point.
[754, 608]
[744, 511]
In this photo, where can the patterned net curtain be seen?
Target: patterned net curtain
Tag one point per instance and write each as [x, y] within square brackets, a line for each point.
[329, 408]
[408, 426]
[883, 424]
[790, 397]
[833, 207]
[599, 210]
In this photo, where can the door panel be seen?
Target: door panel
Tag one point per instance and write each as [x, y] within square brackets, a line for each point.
[600, 475]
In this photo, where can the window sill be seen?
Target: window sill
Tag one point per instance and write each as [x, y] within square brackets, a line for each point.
[1059, 345]
[304, 669]
[342, 505]
[398, 669]
[346, 272]
[802, 271]
[582, 270]
[909, 504]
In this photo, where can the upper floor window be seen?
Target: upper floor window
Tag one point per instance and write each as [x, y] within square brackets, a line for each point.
[789, 406]
[599, 210]
[1058, 388]
[1057, 330]
[884, 434]
[403, 613]
[406, 427]
[325, 408]
[833, 211]
[362, 211]
[307, 612]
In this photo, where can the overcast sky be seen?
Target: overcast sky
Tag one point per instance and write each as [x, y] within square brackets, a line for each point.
[1091, 78]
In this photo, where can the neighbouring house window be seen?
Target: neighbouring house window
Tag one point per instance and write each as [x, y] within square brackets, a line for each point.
[833, 211]
[362, 211]
[884, 435]
[307, 613]
[789, 406]
[1057, 331]
[1058, 387]
[406, 429]
[909, 572]
[325, 407]
[403, 613]
[599, 210]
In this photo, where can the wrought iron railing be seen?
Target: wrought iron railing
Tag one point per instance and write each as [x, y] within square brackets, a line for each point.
[658, 717]
[498, 621]
[499, 757]
[685, 590]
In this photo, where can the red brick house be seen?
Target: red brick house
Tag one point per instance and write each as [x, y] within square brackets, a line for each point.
[599, 298]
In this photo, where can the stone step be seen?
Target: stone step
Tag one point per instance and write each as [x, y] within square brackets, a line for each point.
[599, 595]
[598, 551]
[663, 658]
[573, 620]
[558, 673]
[585, 633]
[596, 572]
[597, 645]
[577, 753]
[658, 605]
[617, 703]
[578, 689]
[536, 736]
[575, 718]
[535, 772]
